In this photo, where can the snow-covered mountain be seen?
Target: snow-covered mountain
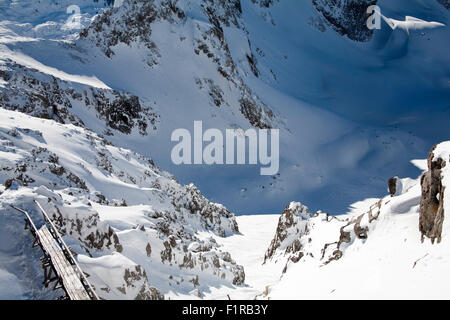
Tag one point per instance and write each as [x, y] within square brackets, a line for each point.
[91, 90]
[354, 104]
[393, 247]
[132, 225]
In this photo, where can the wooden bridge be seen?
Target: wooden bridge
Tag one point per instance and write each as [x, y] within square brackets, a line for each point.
[58, 262]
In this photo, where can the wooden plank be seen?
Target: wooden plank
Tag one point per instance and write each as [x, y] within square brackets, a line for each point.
[61, 243]
[64, 264]
[63, 268]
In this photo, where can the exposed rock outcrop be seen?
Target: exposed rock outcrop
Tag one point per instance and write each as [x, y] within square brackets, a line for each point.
[347, 17]
[146, 292]
[395, 186]
[132, 24]
[432, 202]
[124, 279]
[301, 235]
[392, 186]
[355, 228]
[265, 3]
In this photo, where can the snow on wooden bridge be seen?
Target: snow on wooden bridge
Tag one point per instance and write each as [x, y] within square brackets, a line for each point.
[58, 262]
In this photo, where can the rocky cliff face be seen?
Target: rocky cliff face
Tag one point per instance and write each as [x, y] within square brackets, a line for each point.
[293, 222]
[373, 254]
[30, 91]
[347, 17]
[320, 240]
[113, 205]
[445, 3]
[132, 24]
[432, 203]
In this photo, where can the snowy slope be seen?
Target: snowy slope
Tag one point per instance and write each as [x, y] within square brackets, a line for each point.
[248, 248]
[378, 254]
[48, 18]
[375, 251]
[133, 226]
[352, 111]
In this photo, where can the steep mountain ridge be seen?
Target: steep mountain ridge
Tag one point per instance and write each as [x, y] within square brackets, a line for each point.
[48, 97]
[115, 208]
[347, 17]
[390, 251]
[353, 107]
